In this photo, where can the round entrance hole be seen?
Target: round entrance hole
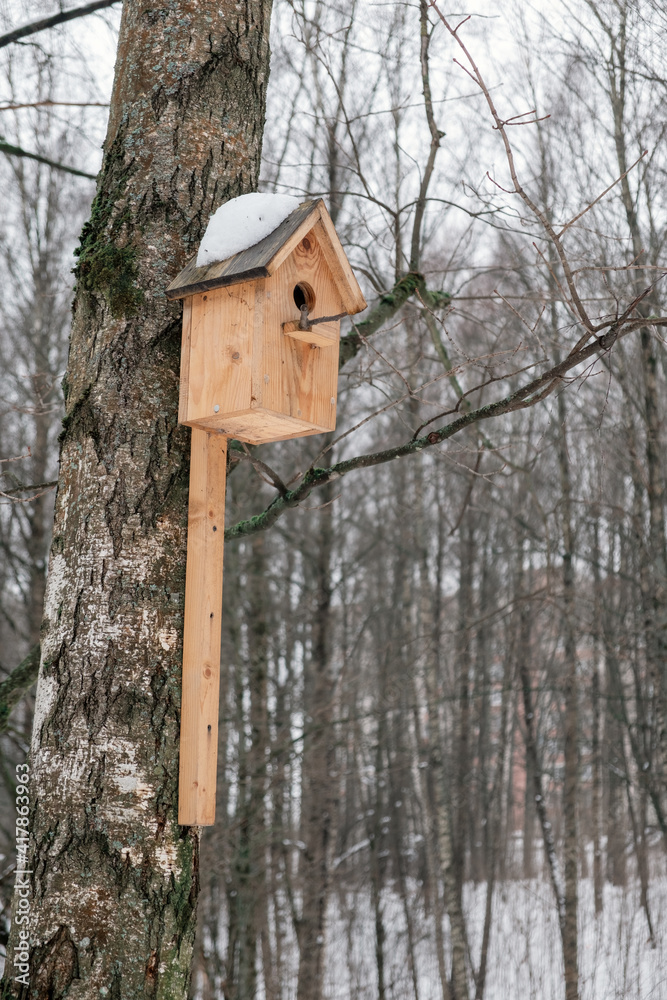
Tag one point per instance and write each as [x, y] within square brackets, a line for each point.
[304, 295]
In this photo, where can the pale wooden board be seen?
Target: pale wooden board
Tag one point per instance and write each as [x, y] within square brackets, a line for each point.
[184, 384]
[322, 334]
[298, 379]
[343, 275]
[260, 320]
[221, 346]
[314, 383]
[258, 426]
[201, 638]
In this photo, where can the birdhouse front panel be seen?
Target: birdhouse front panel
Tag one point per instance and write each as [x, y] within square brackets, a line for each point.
[216, 360]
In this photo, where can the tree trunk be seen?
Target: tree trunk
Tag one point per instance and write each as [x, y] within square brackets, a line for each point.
[115, 879]
[596, 749]
[247, 886]
[571, 709]
[318, 796]
[654, 565]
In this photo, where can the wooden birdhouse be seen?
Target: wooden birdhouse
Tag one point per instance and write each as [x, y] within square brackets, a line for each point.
[259, 360]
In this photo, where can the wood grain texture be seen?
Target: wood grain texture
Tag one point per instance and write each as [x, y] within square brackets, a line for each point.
[201, 639]
[221, 347]
[259, 426]
[343, 275]
[300, 379]
[184, 383]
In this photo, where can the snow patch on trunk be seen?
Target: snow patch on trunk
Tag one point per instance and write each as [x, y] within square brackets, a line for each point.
[241, 223]
[45, 699]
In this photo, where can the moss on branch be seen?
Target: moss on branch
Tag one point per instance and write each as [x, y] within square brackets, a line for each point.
[385, 308]
[19, 682]
[526, 396]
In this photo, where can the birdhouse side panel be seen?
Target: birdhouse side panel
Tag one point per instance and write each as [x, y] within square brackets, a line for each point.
[184, 381]
[221, 346]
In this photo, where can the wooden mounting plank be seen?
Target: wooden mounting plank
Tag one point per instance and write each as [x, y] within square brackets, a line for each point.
[201, 638]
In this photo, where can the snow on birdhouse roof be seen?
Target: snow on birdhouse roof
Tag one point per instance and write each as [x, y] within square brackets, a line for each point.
[241, 223]
[262, 258]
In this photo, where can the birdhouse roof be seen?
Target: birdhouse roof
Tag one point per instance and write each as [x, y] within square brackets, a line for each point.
[262, 259]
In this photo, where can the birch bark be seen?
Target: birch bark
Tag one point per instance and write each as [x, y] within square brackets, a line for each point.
[114, 879]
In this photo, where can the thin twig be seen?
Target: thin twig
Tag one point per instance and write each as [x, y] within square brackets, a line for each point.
[263, 470]
[518, 187]
[600, 196]
[56, 104]
[528, 395]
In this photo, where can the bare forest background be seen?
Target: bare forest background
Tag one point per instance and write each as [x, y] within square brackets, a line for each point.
[444, 678]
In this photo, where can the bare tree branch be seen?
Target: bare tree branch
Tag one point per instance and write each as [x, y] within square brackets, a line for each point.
[9, 150]
[53, 20]
[500, 125]
[436, 136]
[526, 396]
[55, 104]
[384, 309]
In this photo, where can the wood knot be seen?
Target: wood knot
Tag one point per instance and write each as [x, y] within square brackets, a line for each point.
[433, 437]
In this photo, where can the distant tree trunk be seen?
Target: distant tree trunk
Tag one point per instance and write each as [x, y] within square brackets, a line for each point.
[445, 857]
[394, 772]
[374, 827]
[571, 709]
[115, 881]
[652, 758]
[531, 743]
[247, 887]
[448, 867]
[596, 749]
[613, 740]
[529, 822]
[318, 802]
[493, 829]
[461, 792]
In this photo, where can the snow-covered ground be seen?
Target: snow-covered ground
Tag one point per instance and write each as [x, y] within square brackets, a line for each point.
[616, 959]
